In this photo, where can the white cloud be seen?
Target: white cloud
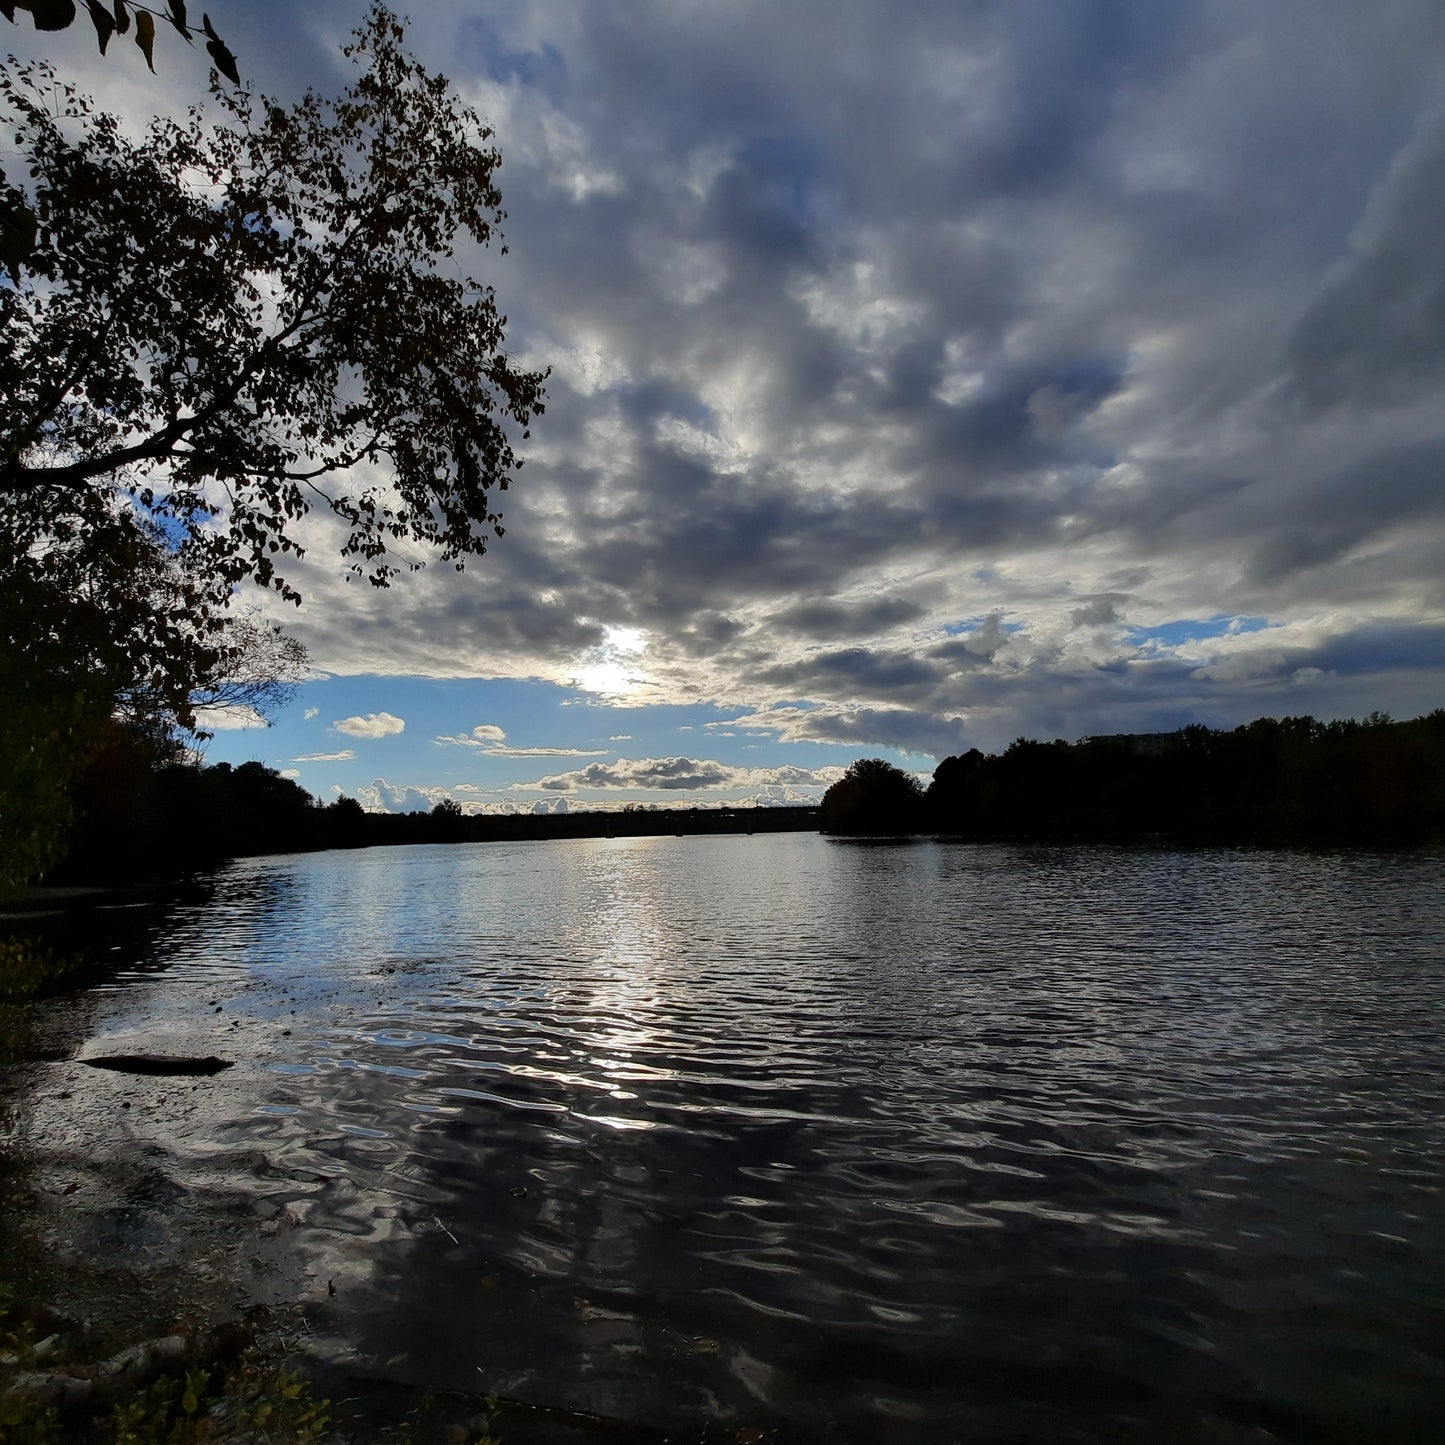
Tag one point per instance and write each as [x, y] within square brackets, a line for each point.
[228, 719]
[373, 725]
[488, 739]
[344, 756]
[542, 752]
[311, 712]
[384, 797]
[488, 735]
[681, 774]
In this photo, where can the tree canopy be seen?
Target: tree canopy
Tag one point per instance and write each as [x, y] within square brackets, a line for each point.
[207, 331]
[872, 796]
[229, 324]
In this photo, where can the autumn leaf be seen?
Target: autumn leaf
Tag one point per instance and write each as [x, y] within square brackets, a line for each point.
[122, 17]
[178, 17]
[225, 61]
[145, 36]
[103, 21]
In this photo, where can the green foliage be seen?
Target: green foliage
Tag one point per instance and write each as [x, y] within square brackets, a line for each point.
[27, 967]
[37, 765]
[206, 1407]
[255, 1398]
[101, 624]
[23, 1422]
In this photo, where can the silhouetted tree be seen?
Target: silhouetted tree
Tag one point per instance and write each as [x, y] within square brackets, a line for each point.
[230, 324]
[107, 648]
[872, 796]
[1274, 779]
[204, 332]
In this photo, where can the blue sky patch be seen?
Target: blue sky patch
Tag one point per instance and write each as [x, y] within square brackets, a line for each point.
[1188, 629]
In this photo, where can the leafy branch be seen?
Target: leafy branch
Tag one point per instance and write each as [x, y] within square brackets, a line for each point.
[116, 18]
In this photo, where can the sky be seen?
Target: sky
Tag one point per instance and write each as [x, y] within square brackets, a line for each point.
[923, 376]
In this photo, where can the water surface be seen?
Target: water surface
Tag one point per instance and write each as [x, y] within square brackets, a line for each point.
[922, 1142]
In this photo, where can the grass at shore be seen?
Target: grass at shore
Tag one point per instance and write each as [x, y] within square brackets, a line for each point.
[198, 1390]
[231, 1388]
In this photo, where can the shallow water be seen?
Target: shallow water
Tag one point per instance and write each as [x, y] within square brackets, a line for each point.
[914, 1142]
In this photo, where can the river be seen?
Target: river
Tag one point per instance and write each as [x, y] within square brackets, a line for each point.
[914, 1142]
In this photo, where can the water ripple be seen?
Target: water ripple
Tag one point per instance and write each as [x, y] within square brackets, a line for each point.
[916, 1143]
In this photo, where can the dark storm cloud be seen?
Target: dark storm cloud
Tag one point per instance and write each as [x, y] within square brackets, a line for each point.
[674, 775]
[1395, 647]
[1351, 505]
[709, 633]
[1376, 333]
[828, 620]
[1097, 611]
[666, 774]
[853, 672]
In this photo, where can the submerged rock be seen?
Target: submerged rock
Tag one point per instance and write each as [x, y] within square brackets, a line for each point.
[158, 1064]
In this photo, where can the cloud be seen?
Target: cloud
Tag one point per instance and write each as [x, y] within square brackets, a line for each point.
[384, 797]
[894, 403]
[310, 713]
[1096, 612]
[373, 725]
[228, 719]
[488, 739]
[1376, 331]
[486, 736]
[828, 620]
[343, 756]
[544, 752]
[903, 728]
[680, 774]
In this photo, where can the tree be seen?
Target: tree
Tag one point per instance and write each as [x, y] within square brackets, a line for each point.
[219, 327]
[872, 796]
[106, 650]
[115, 19]
[107, 647]
[205, 332]
[254, 670]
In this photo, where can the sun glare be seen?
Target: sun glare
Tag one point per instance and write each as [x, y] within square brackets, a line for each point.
[612, 669]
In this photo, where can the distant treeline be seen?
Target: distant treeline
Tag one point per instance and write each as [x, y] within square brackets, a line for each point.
[140, 816]
[1274, 780]
[138, 823]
